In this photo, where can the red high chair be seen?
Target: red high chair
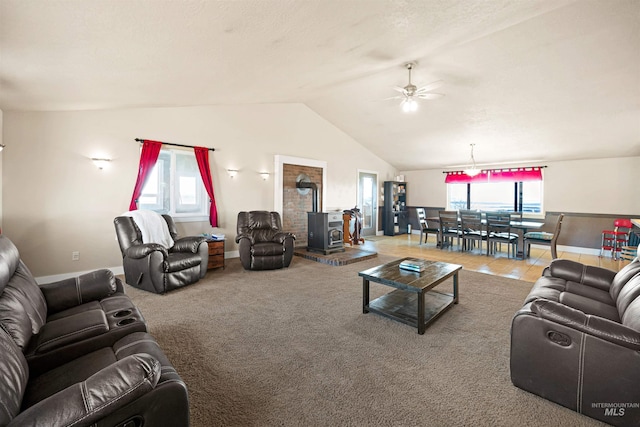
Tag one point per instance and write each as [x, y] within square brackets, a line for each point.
[614, 240]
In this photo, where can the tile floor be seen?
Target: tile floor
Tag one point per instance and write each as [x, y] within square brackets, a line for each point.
[408, 245]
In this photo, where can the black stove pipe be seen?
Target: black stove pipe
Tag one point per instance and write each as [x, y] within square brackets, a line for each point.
[314, 188]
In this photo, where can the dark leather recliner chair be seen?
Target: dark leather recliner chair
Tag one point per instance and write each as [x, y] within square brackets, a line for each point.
[154, 268]
[263, 244]
[576, 341]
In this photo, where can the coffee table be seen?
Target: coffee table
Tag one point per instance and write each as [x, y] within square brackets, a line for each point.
[414, 302]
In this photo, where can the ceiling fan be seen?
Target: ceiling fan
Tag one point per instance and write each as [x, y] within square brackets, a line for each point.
[410, 92]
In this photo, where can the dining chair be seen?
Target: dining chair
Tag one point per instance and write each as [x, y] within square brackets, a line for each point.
[424, 226]
[472, 229]
[543, 238]
[499, 231]
[449, 228]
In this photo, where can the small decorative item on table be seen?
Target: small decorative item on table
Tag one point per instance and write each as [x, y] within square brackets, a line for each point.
[413, 265]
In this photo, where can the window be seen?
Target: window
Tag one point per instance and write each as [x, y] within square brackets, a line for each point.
[175, 187]
[496, 196]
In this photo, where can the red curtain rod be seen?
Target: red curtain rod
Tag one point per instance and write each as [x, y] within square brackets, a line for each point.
[176, 145]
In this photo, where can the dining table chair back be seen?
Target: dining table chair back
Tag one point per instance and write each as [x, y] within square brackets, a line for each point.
[425, 227]
[472, 229]
[499, 231]
[544, 238]
[449, 228]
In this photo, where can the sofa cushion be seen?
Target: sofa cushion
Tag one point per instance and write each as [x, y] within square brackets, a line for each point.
[179, 261]
[82, 289]
[14, 318]
[97, 396]
[622, 277]
[48, 383]
[631, 316]
[629, 292]
[15, 374]
[589, 292]
[574, 271]
[590, 306]
[267, 249]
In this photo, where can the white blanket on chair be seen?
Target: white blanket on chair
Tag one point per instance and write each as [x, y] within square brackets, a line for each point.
[153, 227]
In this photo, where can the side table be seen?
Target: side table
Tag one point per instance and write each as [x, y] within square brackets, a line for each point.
[216, 254]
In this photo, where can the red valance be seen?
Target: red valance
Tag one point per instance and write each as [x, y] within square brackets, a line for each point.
[496, 175]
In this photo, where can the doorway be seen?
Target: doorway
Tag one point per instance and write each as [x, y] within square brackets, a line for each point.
[368, 202]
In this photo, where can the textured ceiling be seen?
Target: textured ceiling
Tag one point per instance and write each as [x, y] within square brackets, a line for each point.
[525, 80]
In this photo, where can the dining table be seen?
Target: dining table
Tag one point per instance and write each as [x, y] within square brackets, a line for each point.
[522, 226]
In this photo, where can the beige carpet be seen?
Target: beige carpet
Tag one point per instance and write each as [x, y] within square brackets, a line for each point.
[293, 348]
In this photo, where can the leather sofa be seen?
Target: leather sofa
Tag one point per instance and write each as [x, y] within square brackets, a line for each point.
[262, 243]
[576, 340]
[76, 352]
[155, 268]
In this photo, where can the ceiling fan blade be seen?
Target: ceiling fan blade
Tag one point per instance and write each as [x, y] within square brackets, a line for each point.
[395, 97]
[400, 89]
[430, 95]
[430, 86]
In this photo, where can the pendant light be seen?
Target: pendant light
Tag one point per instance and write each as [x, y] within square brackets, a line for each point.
[472, 171]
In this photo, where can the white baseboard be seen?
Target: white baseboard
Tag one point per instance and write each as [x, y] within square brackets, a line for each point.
[572, 249]
[118, 271]
[57, 277]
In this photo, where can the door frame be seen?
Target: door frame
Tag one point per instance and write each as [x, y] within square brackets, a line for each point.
[377, 230]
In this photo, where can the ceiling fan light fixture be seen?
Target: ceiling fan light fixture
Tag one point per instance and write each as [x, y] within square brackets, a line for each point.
[409, 105]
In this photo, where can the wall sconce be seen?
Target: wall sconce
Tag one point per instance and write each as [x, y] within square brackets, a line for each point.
[232, 173]
[264, 175]
[100, 163]
[2, 147]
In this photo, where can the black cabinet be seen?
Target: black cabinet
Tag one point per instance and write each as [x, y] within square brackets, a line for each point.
[395, 217]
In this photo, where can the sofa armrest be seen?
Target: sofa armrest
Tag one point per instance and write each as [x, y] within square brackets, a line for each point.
[141, 251]
[573, 271]
[104, 392]
[188, 244]
[280, 237]
[249, 237]
[598, 327]
[70, 329]
[74, 291]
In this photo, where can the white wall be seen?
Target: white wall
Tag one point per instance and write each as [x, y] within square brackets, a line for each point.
[56, 201]
[599, 186]
[1, 161]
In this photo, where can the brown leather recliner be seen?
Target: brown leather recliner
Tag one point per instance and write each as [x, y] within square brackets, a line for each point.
[263, 244]
[155, 268]
[576, 341]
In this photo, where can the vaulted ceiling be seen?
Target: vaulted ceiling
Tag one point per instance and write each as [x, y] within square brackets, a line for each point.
[524, 80]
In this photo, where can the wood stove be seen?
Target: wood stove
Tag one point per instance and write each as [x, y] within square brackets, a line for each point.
[325, 232]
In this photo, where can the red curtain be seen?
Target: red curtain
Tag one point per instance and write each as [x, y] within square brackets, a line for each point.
[516, 174]
[496, 175]
[148, 158]
[202, 157]
[459, 177]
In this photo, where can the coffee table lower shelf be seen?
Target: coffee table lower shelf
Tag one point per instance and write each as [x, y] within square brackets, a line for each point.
[402, 306]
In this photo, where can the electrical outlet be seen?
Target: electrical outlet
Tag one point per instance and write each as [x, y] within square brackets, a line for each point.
[75, 256]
